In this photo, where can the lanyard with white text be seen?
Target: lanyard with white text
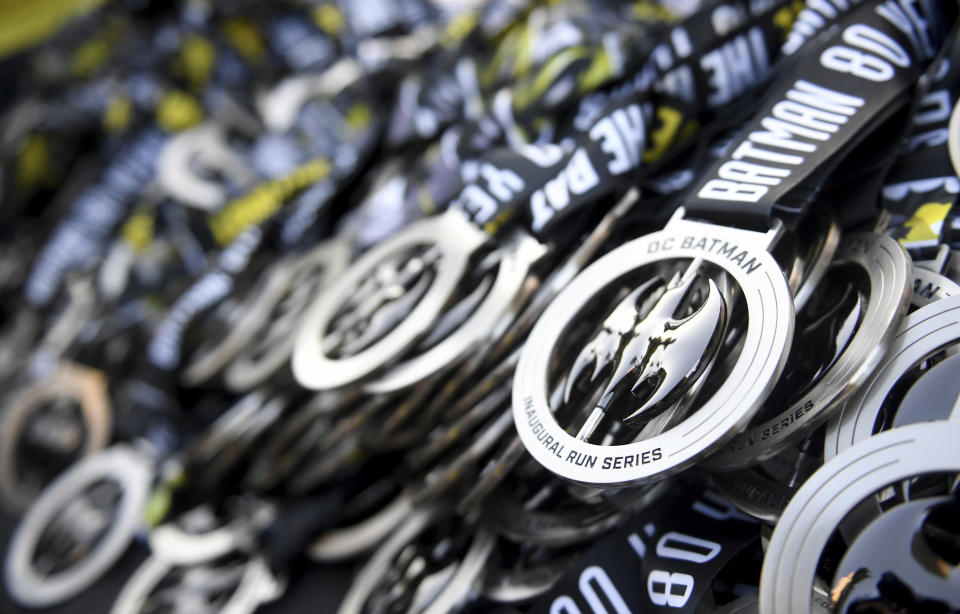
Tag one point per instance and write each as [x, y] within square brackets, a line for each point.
[844, 87]
[680, 385]
[636, 124]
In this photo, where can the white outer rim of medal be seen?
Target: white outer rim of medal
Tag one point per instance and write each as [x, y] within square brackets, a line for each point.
[330, 257]
[768, 337]
[243, 372]
[921, 332]
[833, 491]
[379, 562]
[256, 586]
[888, 268]
[511, 273]
[456, 238]
[133, 471]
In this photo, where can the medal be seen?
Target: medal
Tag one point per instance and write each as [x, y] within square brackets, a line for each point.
[680, 295]
[855, 356]
[923, 335]
[66, 415]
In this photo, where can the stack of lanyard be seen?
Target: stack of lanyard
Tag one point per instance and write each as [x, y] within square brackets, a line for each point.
[560, 307]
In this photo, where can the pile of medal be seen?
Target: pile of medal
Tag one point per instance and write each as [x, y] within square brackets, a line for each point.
[509, 306]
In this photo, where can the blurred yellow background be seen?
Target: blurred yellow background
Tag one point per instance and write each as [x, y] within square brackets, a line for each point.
[26, 22]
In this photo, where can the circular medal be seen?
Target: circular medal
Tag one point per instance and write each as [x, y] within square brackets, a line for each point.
[764, 490]
[922, 335]
[78, 527]
[805, 528]
[260, 335]
[724, 281]
[380, 306]
[516, 256]
[854, 332]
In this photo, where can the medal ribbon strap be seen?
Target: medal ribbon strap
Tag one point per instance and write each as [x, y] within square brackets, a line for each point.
[847, 83]
[663, 559]
[638, 122]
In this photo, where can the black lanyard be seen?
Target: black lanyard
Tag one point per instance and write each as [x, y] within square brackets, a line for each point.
[693, 72]
[841, 89]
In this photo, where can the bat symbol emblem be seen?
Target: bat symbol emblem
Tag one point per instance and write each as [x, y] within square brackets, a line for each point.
[663, 354]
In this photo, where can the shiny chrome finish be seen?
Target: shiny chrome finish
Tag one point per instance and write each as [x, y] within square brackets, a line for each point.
[759, 360]
[259, 339]
[70, 508]
[391, 303]
[922, 333]
[518, 254]
[833, 493]
[822, 250]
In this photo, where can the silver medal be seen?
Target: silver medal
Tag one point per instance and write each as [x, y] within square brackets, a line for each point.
[94, 509]
[922, 334]
[791, 562]
[259, 338]
[516, 256]
[380, 306]
[874, 317]
[664, 356]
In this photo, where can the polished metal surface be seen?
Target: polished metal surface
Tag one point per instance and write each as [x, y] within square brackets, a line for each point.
[832, 493]
[381, 334]
[518, 254]
[888, 269]
[769, 310]
[261, 341]
[922, 333]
